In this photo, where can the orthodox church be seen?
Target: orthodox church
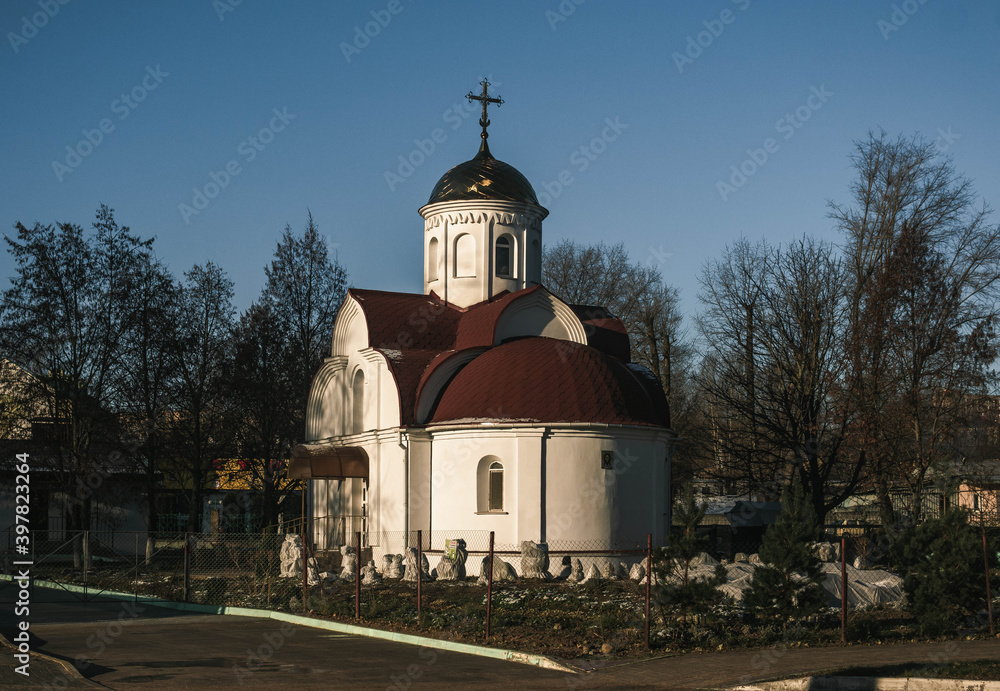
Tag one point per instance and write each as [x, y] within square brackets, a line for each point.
[486, 403]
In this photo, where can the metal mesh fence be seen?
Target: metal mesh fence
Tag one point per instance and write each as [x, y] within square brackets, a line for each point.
[945, 579]
[365, 575]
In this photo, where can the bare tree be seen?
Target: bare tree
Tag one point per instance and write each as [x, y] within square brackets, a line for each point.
[772, 330]
[592, 275]
[202, 411]
[150, 359]
[304, 290]
[661, 344]
[264, 385]
[731, 290]
[64, 322]
[923, 268]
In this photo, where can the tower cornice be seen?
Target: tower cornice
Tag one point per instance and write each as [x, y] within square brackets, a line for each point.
[475, 210]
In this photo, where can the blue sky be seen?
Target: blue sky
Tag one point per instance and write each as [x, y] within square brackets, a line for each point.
[180, 88]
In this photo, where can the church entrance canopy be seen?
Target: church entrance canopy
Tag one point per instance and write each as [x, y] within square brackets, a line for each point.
[326, 461]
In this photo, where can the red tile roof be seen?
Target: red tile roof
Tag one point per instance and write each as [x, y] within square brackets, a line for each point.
[416, 333]
[437, 362]
[399, 321]
[407, 366]
[547, 380]
[478, 326]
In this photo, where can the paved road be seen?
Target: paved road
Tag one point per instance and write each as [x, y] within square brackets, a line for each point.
[119, 646]
[123, 645]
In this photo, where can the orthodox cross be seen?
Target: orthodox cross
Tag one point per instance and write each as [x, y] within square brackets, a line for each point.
[485, 99]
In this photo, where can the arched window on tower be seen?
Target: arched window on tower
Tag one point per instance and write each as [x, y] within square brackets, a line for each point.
[504, 260]
[358, 409]
[432, 260]
[465, 256]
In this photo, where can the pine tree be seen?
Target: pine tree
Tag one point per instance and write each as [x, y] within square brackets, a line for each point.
[678, 591]
[944, 581]
[788, 584]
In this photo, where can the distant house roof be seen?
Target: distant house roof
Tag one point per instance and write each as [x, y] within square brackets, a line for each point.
[985, 472]
[738, 513]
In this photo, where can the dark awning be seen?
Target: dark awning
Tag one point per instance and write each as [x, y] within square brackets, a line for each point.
[311, 461]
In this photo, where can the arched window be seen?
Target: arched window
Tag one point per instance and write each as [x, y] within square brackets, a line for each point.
[432, 260]
[504, 262]
[496, 487]
[358, 391]
[465, 256]
[489, 485]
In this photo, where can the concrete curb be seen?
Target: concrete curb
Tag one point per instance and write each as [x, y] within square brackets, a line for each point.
[409, 639]
[871, 684]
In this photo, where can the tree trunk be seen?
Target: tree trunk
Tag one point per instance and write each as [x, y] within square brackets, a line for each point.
[194, 509]
[887, 515]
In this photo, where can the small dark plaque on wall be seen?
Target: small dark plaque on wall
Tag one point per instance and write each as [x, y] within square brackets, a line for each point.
[607, 457]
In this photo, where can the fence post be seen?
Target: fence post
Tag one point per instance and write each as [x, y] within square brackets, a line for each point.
[489, 588]
[357, 575]
[86, 561]
[187, 566]
[649, 578]
[843, 589]
[136, 580]
[420, 568]
[986, 565]
[305, 568]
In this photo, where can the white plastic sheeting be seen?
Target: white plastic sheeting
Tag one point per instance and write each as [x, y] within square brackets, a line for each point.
[865, 588]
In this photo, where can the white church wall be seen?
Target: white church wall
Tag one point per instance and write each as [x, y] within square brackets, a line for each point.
[388, 398]
[554, 486]
[530, 484]
[465, 268]
[419, 492]
[515, 234]
[324, 416]
[433, 264]
[359, 385]
[454, 491]
[540, 314]
[533, 257]
[585, 502]
[388, 490]
[483, 221]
